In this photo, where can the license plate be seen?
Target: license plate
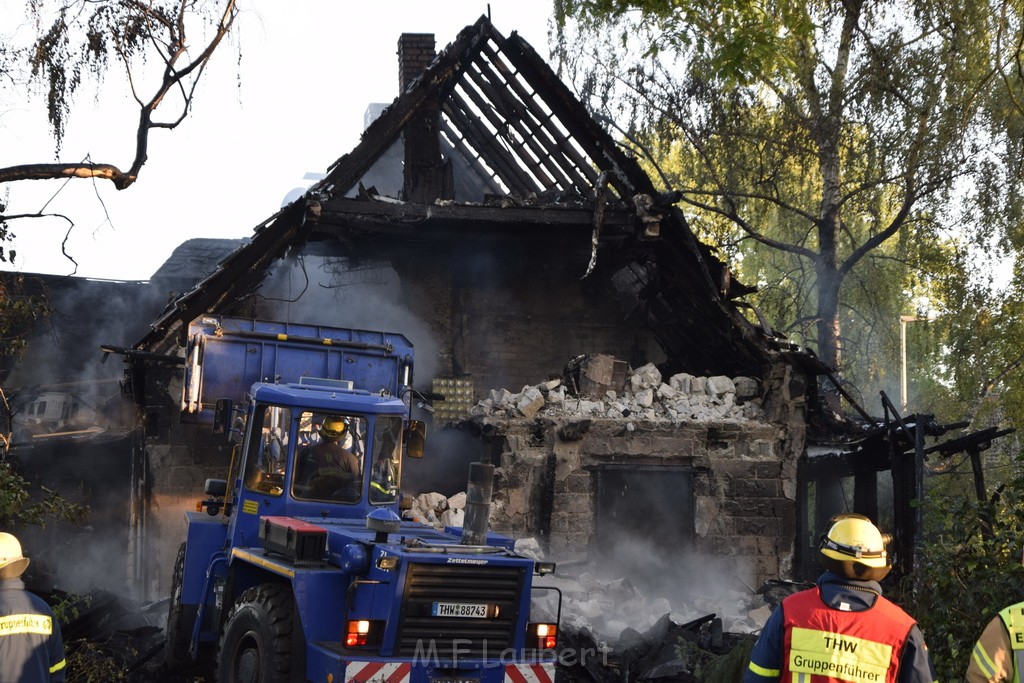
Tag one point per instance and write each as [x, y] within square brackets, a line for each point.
[473, 610]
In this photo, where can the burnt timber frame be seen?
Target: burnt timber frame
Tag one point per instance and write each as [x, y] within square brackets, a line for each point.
[521, 131]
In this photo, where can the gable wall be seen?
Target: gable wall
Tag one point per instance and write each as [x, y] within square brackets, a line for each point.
[510, 316]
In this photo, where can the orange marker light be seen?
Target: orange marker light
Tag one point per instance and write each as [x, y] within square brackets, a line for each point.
[356, 632]
[547, 635]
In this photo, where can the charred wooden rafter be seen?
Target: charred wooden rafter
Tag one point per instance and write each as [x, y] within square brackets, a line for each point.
[544, 119]
[465, 222]
[472, 157]
[540, 156]
[527, 152]
[483, 84]
[511, 173]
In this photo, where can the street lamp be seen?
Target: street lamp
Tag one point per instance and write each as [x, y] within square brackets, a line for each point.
[904, 319]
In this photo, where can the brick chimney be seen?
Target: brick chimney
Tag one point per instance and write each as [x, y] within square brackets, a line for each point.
[415, 53]
[424, 172]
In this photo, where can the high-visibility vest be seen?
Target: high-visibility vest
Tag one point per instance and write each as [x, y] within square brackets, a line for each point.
[1013, 619]
[825, 644]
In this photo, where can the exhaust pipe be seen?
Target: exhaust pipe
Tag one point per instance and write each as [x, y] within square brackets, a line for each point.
[478, 503]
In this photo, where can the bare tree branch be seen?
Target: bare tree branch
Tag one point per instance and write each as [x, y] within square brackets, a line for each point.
[173, 78]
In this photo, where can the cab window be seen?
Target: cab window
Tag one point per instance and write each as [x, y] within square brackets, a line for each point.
[265, 461]
[386, 471]
[329, 460]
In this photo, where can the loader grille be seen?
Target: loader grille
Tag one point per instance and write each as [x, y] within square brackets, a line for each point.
[423, 636]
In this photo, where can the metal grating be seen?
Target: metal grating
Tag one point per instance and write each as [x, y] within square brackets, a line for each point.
[422, 635]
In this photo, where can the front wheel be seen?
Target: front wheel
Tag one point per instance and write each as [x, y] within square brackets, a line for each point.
[257, 643]
[180, 619]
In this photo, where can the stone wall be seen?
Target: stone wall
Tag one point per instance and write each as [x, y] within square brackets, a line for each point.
[179, 465]
[742, 473]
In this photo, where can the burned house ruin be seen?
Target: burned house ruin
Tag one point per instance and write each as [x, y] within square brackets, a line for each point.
[581, 338]
[488, 217]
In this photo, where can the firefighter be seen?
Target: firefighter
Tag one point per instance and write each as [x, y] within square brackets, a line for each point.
[383, 480]
[328, 468]
[31, 649]
[999, 653]
[843, 629]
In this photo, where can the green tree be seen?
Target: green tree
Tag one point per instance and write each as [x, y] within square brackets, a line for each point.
[845, 140]
[966, 574]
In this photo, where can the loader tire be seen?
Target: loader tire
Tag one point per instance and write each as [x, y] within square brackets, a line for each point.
[259, 637]
[180, 619]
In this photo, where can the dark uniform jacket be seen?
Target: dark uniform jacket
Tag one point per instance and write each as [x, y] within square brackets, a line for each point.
[31, 649]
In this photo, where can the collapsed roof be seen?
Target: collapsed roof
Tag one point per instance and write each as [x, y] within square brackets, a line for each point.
[496, 145]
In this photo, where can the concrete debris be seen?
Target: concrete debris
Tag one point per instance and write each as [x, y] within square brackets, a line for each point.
[529, 401]
[642, 395]
[529, 547]
[645, 377]
[437, 510]
[720, 385]
[595, 375]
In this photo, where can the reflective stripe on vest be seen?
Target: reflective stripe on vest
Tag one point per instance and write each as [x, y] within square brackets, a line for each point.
[825, 644]
[17, 624]
[1013, 619]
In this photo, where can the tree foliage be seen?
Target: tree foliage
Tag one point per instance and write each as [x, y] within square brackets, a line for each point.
[18, 507]
[163, 47]
[965, 574]
[847, 156]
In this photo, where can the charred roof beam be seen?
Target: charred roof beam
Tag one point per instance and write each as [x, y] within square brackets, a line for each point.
[502, 126]
[592, 138]
[481, 138]
[516, 116]
[238, 274]
[544, 119]
[472, 157]
[388, 218]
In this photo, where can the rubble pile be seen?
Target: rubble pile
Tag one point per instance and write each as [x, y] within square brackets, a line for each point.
[640, 394]
[437, 509]
[668, 651]
[609, 607]
[108, 636]
[639, 637]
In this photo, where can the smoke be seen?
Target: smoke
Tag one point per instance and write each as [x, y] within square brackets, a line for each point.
[368, 294]
[632, 582]
[444, 467]
[342, 292]
[88, 554]
[643, 561]
[64, 366]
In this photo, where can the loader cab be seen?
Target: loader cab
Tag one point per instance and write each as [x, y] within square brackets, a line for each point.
[321, 461]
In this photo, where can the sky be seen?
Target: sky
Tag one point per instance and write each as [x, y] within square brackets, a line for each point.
[290, 105]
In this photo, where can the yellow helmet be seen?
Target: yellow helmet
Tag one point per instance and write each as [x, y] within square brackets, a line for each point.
[855, 548]
[12, 562]
[332, 428]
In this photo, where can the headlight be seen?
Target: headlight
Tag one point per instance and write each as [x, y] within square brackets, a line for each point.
[542, 568]
[388, 562]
